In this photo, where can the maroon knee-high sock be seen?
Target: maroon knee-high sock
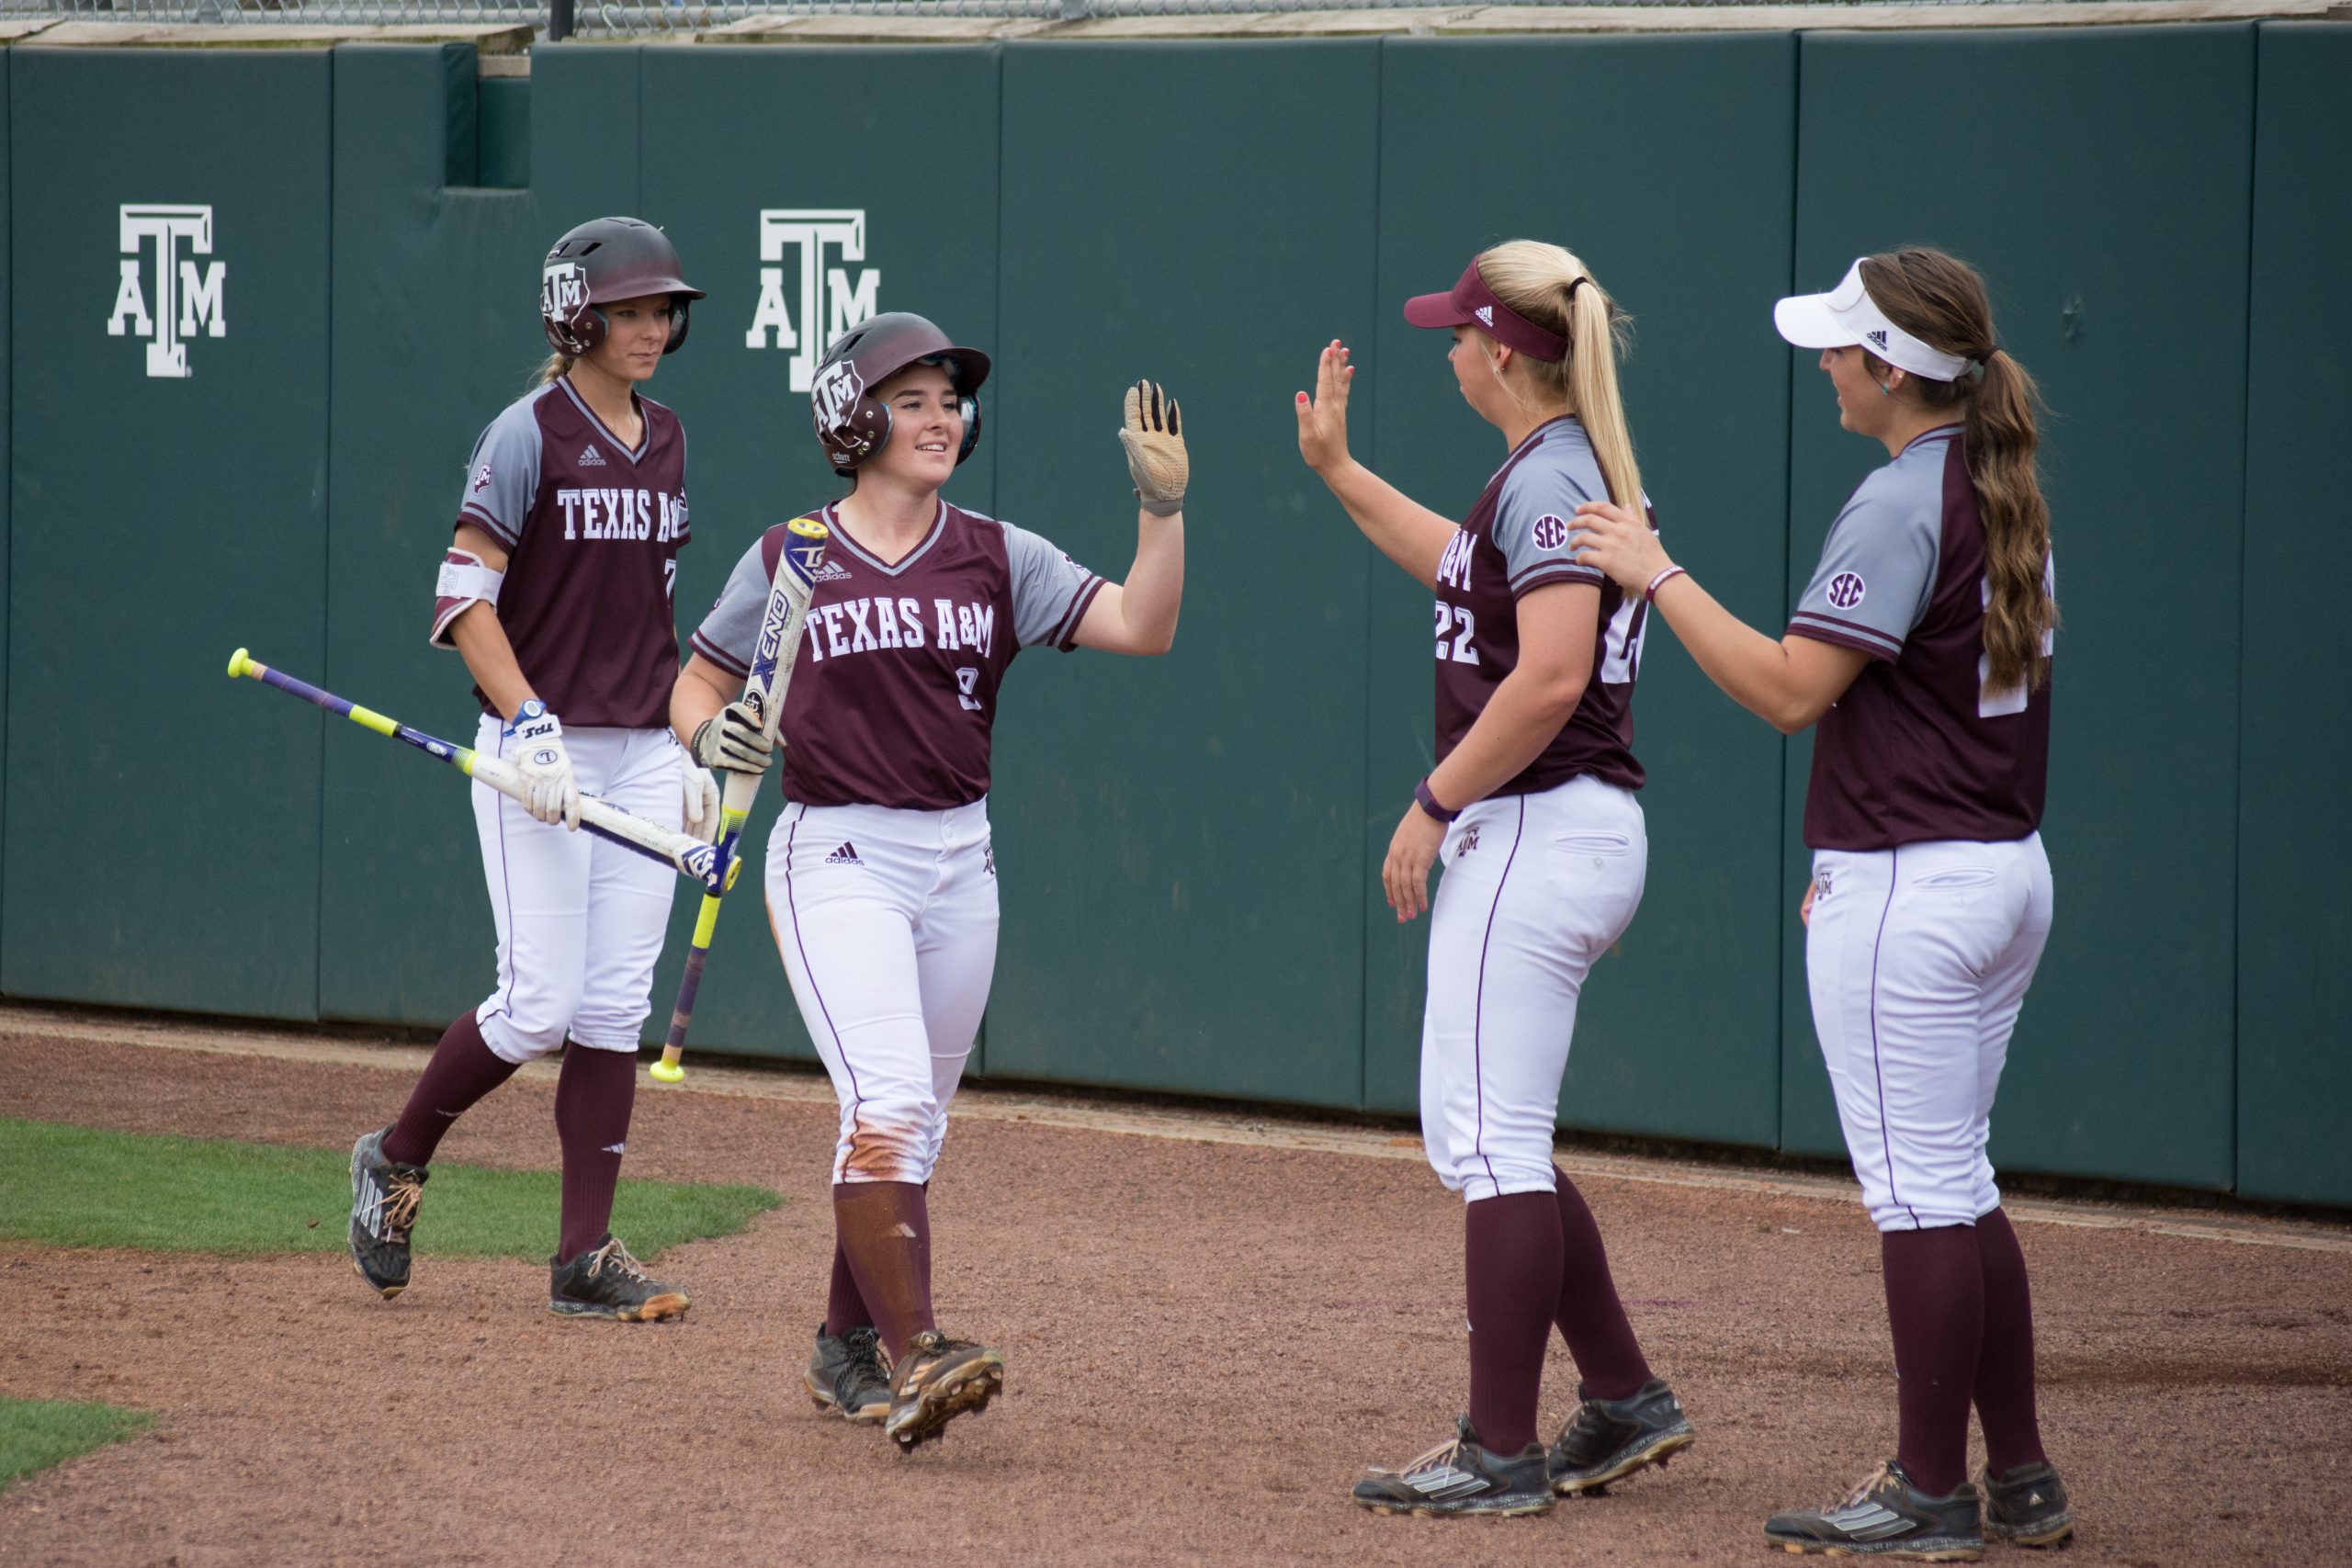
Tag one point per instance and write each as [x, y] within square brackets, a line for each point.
[593, 1096]
[1512, 1261]
[845, 1308]
[2005, 1402]
[1935, 1303]
[1590, 1316]
[462, 1070]
[883, 1229]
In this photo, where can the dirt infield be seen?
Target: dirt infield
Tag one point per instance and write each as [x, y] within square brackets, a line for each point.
[1205, 1339]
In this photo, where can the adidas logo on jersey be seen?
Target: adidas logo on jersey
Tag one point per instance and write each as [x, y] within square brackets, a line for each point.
[845, 856]
[829, 572]
[592, 459]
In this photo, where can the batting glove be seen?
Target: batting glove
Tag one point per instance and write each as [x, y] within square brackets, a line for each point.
[699, 814]
[730, 741]
[535, 741]
[1154, 437]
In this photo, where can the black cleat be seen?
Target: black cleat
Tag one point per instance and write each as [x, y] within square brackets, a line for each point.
[937, 1379]
[1461, 1477]
[385, 1198]
[846, 1375]
[2028, 1506]
[605, 1281]
[1886, 1516]
[1608, 1440]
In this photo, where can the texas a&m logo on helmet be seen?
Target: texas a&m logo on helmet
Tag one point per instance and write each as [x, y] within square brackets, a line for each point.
[835, 394]
[564, 291]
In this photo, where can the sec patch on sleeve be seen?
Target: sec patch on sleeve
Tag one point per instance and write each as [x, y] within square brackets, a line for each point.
[1844, 590]
[1550, 533]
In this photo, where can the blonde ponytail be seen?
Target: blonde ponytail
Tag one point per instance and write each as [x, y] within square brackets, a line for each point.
[1554, 289]
[554, 369]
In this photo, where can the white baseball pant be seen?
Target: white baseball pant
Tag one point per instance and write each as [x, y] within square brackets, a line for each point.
[581, 921]
[886, 919]
[1535, 888]
[1918, 959]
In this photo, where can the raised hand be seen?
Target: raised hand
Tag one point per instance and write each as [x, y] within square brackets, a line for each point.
[1323, 417]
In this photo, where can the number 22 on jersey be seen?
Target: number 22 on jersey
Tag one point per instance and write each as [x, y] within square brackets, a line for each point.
[1621, 640]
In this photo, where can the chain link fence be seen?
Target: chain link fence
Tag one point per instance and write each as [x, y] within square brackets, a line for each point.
[653, 17]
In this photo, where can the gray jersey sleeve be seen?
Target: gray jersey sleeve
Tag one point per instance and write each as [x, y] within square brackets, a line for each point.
[1536, 513]
[503, 476]
[727, 633]
[1050, 591]
[1878, 566]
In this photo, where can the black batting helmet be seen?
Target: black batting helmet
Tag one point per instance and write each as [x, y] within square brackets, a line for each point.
[608, 259]
[851, 423]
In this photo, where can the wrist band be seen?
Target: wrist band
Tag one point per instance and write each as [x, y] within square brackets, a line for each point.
[1660, 581]
[1429, 802]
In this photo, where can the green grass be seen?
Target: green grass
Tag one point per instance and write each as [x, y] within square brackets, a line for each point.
[38, 1433]
[79, 1187]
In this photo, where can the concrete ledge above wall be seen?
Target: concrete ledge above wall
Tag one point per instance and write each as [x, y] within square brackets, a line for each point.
[500, 38]
[1474, 20]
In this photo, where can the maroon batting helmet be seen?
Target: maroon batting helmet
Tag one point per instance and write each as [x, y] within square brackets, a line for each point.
[851, 423]
[608, 259]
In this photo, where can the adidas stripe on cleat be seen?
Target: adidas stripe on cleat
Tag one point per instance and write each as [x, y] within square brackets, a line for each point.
[1887, 1516]
[1460, 1478]
[385, 1198]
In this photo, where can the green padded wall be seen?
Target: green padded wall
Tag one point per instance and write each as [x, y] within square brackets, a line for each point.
[1675, 187]
[1182, 840]
[162, 831]
[2129, 1023]
[435, 326]
[754, 457]
[2294, 991]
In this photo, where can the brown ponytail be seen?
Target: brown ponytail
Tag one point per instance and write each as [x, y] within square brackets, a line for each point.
[1941, 300]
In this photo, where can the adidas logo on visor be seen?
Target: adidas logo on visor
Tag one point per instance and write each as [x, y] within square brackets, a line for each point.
[1486, 314]
[1877, 336]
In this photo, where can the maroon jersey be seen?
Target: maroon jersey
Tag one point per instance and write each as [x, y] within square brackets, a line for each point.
[1921, 747]
[1516, 541]
[592, 529]
[893, 698]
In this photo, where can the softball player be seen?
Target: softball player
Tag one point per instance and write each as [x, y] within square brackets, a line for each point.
[1532, 809]
[881, 883]
[1922, 649]
[555, 592]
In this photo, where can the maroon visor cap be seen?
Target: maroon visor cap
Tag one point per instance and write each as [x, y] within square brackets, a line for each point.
[1470, 303]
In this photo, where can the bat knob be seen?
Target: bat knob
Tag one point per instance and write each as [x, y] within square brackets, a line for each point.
[238, 663]
[668, 1071]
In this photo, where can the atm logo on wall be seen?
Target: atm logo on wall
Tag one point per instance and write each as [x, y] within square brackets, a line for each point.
[802, 309]
[187, 296]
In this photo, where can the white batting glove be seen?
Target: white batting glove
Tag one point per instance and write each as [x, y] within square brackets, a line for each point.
[700, 816]
[549, 791]
[1153, 432]
[730, 741]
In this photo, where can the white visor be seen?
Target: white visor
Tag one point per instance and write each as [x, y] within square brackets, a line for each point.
[1847, 317]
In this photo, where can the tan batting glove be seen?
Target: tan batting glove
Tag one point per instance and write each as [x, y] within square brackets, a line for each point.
[1154, 437]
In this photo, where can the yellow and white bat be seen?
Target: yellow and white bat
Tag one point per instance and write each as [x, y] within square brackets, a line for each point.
[772, 659]
[707, 864]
